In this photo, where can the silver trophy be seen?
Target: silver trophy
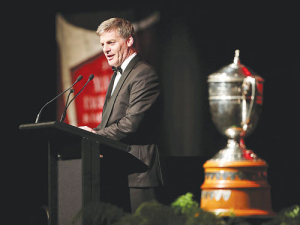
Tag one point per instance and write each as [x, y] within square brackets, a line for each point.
[235, 98]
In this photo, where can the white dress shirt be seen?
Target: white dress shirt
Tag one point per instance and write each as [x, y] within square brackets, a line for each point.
[123, 67]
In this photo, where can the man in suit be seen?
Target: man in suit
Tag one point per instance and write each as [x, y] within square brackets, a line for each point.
[130, 108]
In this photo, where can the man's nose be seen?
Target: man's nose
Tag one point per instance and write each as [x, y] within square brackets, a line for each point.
[106, 49]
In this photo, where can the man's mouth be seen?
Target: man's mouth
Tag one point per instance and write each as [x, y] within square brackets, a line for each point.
[109, 57]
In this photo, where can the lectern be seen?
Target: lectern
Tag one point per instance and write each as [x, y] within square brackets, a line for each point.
[66, 142]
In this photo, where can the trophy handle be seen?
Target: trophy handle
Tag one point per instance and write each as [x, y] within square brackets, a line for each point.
[246, 114]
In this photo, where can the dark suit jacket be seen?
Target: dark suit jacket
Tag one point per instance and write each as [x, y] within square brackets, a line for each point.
[129, 116]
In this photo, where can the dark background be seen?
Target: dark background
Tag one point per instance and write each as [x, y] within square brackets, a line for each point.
[194, 39]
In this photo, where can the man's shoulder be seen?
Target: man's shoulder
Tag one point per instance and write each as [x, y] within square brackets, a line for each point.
[139, 62]
[143, 65]
[141, 68]
[144, 70]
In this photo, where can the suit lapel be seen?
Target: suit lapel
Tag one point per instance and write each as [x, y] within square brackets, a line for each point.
[108, 92]
[110, 100]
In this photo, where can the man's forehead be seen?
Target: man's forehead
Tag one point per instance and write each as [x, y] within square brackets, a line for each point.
[108, 35]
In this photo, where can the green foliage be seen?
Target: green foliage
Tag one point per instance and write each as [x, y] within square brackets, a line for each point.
[183, 211]
[152, 213]
[184, 204]
[292, 212]
[198, 216]
[289, 216]
[101, 213]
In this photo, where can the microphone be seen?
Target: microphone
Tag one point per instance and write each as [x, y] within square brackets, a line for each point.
[91, 77]
[38, 116]
[64, 112]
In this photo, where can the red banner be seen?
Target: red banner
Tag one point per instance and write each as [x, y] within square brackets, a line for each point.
[89, 103]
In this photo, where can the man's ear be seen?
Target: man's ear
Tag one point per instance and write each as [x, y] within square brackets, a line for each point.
[130, 41]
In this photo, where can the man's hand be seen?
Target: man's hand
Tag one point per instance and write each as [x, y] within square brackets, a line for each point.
[90, 130]
[87, 129]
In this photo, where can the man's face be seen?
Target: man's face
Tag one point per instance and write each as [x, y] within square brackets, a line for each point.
[115, 48]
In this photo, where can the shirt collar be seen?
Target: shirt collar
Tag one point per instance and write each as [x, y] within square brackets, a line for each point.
[127, 61]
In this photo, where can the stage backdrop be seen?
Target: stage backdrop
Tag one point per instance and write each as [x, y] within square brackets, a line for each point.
[80, 53]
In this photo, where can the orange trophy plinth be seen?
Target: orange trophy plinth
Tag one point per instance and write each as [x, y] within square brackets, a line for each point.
[238, 187]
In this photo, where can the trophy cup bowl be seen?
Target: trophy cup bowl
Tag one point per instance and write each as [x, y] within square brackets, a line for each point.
[235, 98]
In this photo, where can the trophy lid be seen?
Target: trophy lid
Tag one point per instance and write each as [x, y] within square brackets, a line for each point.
[233, 72]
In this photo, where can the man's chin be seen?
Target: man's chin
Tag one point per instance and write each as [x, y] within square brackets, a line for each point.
[111, 63]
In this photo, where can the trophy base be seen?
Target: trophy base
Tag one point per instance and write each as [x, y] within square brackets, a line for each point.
[234, 152]
[237, 154]
[236, 187]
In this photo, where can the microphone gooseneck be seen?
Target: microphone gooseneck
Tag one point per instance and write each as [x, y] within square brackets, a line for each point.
[91, 77]
[38, 116]
[65, 109]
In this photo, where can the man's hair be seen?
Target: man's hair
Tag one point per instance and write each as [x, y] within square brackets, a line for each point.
[122, 26]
